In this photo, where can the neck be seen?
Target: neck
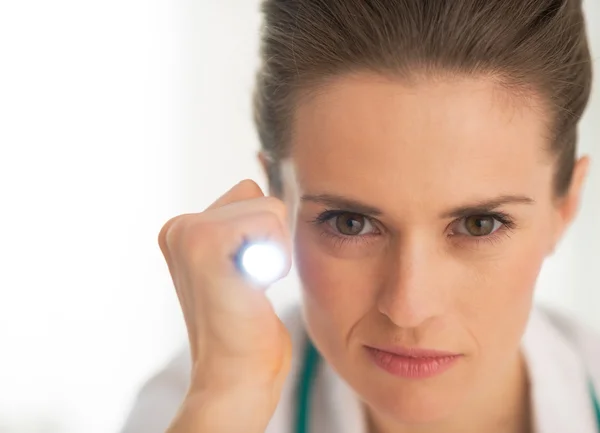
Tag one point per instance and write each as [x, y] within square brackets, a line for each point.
[500, 405]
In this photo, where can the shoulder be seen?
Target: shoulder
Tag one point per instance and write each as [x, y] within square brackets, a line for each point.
[578, 332]
[580, 336]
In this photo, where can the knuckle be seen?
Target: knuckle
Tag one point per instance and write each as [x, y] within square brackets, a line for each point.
[251, 188]
[192, 242]
[167, 233]
[185, 233]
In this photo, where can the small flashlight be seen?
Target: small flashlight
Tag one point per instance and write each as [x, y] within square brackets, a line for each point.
[262, 262]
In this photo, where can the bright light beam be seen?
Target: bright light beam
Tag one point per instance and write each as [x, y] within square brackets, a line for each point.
[263, 262]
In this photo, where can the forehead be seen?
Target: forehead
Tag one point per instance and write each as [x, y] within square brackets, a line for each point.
[371, 137]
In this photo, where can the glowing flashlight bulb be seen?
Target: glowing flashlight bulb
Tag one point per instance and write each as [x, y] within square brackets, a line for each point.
[263, 262]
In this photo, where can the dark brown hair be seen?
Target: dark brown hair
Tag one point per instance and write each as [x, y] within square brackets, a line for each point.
[538, 45]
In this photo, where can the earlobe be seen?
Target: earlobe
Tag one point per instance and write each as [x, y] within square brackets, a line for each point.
[263, 160]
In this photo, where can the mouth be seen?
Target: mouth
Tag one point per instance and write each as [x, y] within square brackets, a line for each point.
[412, 363]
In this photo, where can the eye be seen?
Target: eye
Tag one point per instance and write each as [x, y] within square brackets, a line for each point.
[478, 225]
[350, 224]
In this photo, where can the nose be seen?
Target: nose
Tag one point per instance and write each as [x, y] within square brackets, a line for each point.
[413, 289]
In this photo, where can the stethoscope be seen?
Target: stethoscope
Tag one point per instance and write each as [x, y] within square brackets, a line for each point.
[307, 377]
[262, 263]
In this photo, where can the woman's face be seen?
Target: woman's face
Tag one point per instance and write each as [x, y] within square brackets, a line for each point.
[422, 216]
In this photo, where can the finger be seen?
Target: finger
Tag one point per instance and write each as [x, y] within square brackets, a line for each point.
[211, 248]
[237, 209]
[246, 189]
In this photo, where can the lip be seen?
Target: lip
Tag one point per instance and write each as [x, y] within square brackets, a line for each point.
[412, 363]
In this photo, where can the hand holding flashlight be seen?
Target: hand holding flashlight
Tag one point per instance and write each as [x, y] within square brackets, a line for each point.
[220, 261]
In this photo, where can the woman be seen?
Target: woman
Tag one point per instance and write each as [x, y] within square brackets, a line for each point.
[421, 157]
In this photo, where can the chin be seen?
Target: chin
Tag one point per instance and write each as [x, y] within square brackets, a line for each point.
[412, 402]
[412, 408]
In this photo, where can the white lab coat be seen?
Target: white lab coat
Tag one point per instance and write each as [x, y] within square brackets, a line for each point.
[561, 355]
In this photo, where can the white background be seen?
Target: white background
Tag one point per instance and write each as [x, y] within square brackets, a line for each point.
[115, 116]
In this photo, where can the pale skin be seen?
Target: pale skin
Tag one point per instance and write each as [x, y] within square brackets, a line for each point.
[451, 175]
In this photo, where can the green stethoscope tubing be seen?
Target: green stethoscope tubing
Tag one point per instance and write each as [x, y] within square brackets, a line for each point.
[309, 367]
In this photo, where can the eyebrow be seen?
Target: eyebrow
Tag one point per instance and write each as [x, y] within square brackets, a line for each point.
[486, 206]
[476, 208]
[340, 202]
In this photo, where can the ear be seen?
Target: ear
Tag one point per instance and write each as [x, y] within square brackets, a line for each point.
[568, 206]
[265, 162]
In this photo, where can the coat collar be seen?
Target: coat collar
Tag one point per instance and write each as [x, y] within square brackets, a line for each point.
[559, 380]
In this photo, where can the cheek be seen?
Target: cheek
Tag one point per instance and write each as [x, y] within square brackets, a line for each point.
[499, 300]
[333, 276]
[336, 291]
